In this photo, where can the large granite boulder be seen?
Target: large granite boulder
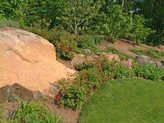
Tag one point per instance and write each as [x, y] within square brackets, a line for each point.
[29, 60]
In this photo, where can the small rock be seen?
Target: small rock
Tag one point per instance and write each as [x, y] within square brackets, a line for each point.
[128, 63]
[4, 94]
[112, 57]
[17, 92]
[77, 59]
[160, 64]
[87, 51]
[38, 95]
[142, 60]
[82, 55]
[161, 47]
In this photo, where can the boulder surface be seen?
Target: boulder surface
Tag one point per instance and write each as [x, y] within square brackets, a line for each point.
[29, 60]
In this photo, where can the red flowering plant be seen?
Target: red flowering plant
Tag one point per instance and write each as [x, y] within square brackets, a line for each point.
[64, 51]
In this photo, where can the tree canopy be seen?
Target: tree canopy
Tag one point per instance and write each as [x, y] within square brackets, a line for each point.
[138, 20]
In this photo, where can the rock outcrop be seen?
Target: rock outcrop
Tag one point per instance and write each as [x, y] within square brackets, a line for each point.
[29, 60]
[14, 93]
[143, 60]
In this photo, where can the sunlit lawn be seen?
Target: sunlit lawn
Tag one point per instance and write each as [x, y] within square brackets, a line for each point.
[126, 101]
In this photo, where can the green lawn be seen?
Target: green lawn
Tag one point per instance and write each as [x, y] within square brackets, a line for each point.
[126, 101]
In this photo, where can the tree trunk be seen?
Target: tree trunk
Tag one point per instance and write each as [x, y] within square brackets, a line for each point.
[123, 4]
[75, 28]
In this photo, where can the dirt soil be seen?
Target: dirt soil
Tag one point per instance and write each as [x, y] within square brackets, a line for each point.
[125, 46]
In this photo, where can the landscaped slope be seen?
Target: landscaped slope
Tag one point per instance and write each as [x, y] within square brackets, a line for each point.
[126, 101]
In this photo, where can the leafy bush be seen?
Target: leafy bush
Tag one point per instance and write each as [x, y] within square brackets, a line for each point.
[84, 66]
[150, 71]
[65, 52]
[33, 112]
[116, 71]
[8, 22]
[139, 32]
[73, 97]
[108, 23]
[88, 41]
[87, 82]
[77, 14]
[112, 22]
[89, 79]
[119, 71]
[93, 76]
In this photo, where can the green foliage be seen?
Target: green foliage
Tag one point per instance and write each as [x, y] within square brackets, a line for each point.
[149, 72]
[89, 79]
[77, 14]
[8, 22]
[153, 11]
[114, 23]
[44, 13]
[87, 82]
[88, 41]
[12, 9]
[84, 66]
[74, 97]
[138, 31]
[116, 71]
[112, 19]
[64, 52]
[120, 71]
[33, 112]
[155, 54]
[109, 22]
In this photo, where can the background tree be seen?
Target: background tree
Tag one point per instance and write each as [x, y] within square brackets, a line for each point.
[153, 10]
[77, 14]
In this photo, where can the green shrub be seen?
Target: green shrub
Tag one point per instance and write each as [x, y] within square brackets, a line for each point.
[64, 52]
[8, 22]
[94, 75]
[73, 97]
[88, 41]
[133, 28]
[149, 71]
[33, 112]
[139, 32]
[116, 71]
[84, 66]
[119, 71]
[89, 79]
[108, 22]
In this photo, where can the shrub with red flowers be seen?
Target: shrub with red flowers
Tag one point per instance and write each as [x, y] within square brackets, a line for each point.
[64, 51]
